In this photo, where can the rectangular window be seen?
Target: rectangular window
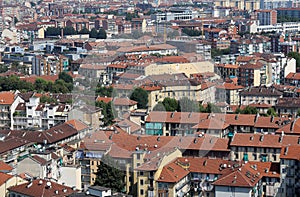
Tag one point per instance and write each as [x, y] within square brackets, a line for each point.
[142, 192]
[141, 182]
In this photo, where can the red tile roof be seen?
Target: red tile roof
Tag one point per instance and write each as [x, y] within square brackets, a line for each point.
[5, 167]
[212, 123]
[292, 128]
[290, 152]
[4, 178]
[241, 177]
[7, 98]
[78, 125]
[39, 187]
[294, 76]
[261, 140]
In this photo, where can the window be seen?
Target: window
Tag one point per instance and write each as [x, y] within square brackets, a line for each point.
[141, 182]
[141, 192]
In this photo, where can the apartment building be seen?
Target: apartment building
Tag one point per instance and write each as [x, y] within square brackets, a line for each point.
[229, 93]
[293, 79]
[179, 14]
[8, 103]
[287, 106]
[266, 17]
[49, 65]
[260, 147]
[34, 114]
[289, 167]
[254, 74]
[185, 123]
[261, 94]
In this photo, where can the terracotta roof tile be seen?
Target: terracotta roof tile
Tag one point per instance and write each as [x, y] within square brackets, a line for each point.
[4, 178]
[7, 98]
[5, 167]
[39, 187]
[290, 152]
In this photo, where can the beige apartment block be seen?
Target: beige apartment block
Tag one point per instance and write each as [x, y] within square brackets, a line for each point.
[186, 68]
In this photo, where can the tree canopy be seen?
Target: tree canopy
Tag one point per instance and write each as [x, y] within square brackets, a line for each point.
[141, 96]
[271, 112]
[247, 110]
[109, 175]
[101, 34]
[40, 85]
[107, 111]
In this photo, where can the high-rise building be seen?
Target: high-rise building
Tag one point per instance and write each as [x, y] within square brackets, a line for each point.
[266, 17]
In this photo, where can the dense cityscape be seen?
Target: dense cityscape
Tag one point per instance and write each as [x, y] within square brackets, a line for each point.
[153, 98]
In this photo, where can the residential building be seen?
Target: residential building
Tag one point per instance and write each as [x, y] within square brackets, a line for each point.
[34, 114]
[289, 166]
[292, 79]
[8, 104]
[121, 105]
[287, 106]
[40, 187]
[266, 17]
[261, 94]
[77, 24]
[8, 180]
[87, 114]
[179, 14]
[259, 147]
[229, 93]
[92, 71]
[254, 74]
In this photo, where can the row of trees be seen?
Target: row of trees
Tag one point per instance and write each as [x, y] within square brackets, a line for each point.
[185, 105]
[191, 32]
[139, 95]
[94, 33]
[63, 84]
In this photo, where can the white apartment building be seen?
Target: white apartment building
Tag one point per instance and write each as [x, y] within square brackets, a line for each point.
[287, 27]
[36, 115]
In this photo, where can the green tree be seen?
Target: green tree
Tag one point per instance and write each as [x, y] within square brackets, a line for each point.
[130, 16]
[93, 33]
[40, 84]
[191, 32]
[65, 77]
[109, 175]
[238, 111]
[84, 31]
[218, 52]
[107, 111]
[159, 107]
[141, 96]
[170, 104]
[3, 68]
[101, 34]
[47, 99]
[249, 110]
[298, 113]
[69, 31]
[201, 108]
[211, 108]
[187, 105]
[271, 112]
[53, 31]
[104, 91]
